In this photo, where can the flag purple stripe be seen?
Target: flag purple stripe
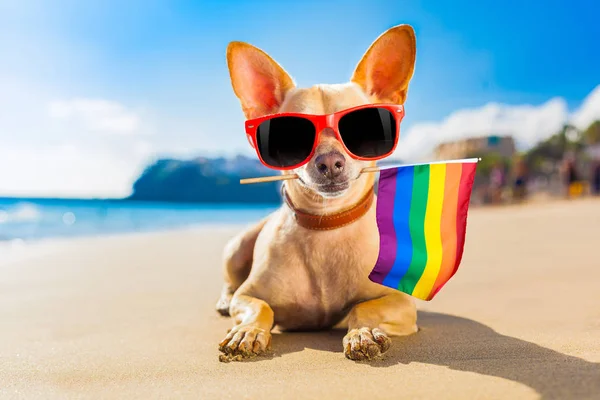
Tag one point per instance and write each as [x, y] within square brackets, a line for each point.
[385, 223]
[405, 178]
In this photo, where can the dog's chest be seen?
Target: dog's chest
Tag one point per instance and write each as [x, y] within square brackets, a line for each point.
[326, 273]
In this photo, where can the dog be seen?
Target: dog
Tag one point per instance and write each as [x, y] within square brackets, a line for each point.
[281, 273]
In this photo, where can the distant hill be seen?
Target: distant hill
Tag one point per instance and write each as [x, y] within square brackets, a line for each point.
[206, 180]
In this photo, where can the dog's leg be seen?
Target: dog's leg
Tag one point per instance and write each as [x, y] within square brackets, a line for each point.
[251, 334]
[370, 323]
[237, 262]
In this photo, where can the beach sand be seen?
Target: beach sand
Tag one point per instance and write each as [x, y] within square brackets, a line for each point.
[133, 317]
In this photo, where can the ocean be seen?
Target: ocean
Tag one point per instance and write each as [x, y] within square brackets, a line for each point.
[27, 220]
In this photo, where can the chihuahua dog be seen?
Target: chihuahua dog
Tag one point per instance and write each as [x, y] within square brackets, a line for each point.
[297, 276]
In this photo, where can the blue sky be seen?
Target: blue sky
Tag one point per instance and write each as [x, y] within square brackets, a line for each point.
[94, 90]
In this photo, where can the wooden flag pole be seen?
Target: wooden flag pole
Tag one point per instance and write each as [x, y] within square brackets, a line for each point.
[291, 176]
[363, 171]
[269, 179]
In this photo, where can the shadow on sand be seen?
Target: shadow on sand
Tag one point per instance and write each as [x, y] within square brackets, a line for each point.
[466, 345]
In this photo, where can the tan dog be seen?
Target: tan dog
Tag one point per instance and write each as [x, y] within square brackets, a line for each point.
[280, 273]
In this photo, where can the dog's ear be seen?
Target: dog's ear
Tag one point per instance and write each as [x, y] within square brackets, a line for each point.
[387, 67]
[258, 81]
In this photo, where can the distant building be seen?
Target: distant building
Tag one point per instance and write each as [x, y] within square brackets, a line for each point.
[504, 145]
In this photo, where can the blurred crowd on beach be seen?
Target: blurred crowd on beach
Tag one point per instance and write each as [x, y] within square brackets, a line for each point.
[514, 182]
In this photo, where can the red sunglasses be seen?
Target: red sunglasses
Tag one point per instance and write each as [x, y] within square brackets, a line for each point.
[288, 140]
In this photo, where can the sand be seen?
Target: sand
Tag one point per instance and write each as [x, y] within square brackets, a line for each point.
[132, 317]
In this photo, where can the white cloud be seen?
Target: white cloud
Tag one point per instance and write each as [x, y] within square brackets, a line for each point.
[528, 124]
[66, 171]
[46, 148]
[589, 110]
[96, 115]
[143, 148]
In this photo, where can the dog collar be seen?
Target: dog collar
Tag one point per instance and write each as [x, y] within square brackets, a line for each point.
[330, 221]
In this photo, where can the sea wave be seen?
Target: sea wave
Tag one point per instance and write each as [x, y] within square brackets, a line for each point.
[19, 213]
[32, 220]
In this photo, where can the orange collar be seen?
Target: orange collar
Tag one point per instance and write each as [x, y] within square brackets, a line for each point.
[331, 221]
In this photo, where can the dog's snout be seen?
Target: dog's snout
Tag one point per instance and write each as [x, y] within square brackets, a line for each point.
[331, 164]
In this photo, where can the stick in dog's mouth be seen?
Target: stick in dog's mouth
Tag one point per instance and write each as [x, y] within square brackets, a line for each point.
[291, 176]
[286, 177]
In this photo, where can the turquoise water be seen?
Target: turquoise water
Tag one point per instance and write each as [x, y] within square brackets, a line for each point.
[32, 219]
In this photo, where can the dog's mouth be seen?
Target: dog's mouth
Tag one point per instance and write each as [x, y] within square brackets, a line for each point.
[328, 189]
[334, 188]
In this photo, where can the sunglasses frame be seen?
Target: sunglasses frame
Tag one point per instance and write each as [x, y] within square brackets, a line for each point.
[322, 121]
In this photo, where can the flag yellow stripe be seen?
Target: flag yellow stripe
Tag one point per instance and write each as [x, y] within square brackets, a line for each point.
[433, 238]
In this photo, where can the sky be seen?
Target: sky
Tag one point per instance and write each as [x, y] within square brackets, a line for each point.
[92, 92]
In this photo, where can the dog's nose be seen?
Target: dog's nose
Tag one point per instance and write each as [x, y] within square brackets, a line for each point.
[331, 164]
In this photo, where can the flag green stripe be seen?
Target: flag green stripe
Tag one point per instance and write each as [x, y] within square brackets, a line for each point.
[418, 207]
[433, 235]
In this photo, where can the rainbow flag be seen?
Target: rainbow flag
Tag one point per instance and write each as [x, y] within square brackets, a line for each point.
[422, 220]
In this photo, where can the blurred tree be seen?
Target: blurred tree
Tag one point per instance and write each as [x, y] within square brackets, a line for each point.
[547, 152]
[592, 134]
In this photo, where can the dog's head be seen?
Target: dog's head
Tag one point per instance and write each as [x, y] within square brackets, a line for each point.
[382, 76]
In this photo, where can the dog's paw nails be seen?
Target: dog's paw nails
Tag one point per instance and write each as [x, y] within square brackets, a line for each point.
[365, 344]
[382, 340]
[245, 342]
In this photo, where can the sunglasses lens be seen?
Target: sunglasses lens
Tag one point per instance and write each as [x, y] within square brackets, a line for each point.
[369, 132]
[285, 141]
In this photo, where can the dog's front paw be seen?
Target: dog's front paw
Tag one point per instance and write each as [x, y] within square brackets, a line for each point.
[365, 344]
[244, 342]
